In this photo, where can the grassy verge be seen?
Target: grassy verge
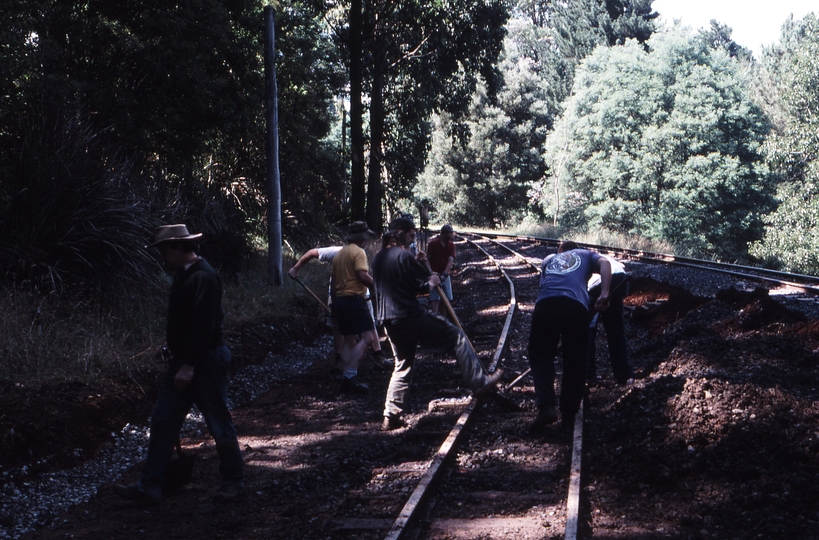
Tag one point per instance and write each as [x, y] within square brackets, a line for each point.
[45, 338]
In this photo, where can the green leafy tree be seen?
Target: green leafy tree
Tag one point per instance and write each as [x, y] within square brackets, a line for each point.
[418, 57]
[718, 36]
[664, 143]
[791, 233]
[177, 91]
[482, 168]
[578, 27]
[484, 178]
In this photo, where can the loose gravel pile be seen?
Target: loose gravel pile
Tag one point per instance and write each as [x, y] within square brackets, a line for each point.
[35, 503]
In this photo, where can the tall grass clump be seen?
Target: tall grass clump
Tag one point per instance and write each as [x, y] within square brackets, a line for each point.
[68, 214]
[46, 337]
[600, 237]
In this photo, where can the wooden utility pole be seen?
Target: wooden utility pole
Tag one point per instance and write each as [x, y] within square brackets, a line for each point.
[357, 176]
[274, 204]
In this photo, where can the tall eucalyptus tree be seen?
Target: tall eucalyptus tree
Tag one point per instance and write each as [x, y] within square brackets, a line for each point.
[418, 57]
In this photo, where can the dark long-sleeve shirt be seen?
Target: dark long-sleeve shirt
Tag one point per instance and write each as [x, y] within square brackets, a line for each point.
[399, 278]
[195, 313]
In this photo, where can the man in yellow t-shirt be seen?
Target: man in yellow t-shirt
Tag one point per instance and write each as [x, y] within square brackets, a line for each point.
[351, 279]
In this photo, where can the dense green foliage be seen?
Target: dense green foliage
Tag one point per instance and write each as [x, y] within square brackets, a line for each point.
[665, 143]
[791, 232]
[117, 116]
[419, 57]
[482, 169]
[485, 179]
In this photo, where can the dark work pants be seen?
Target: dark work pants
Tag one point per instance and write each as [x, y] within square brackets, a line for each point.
[612, 320]
[208, 391]
[554, 319]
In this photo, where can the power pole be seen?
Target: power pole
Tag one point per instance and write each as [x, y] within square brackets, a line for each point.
[274, 204]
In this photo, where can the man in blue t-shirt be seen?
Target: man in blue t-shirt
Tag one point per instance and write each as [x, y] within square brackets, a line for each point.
[561, 314]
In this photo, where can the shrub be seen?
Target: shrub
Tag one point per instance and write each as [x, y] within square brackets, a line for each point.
[66, 209]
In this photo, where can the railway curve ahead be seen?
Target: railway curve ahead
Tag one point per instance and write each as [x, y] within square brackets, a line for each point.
[717, 436]
[504, 482]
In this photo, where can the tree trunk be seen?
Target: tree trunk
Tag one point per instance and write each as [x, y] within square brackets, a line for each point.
[357, 192]
[374, 190]
[274, 209]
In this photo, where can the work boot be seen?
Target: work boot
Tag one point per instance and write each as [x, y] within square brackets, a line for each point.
[229, 492]
[133, 492]
[491, 381]
[392, 422]
[545, 416]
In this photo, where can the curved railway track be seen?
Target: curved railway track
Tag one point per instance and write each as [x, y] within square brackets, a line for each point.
[802, 282]
[520, 517]
[658, 464]
[498, 458]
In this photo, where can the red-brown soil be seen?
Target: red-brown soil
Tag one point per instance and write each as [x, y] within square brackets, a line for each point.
[718, 437]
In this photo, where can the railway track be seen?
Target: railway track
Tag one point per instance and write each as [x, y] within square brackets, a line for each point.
[804, 283]
[455, 510]
[664, 457]
[487, 491]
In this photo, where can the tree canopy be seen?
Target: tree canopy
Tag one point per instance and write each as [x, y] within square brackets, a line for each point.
[791, 237]
[663, 142]
[172, 98]
[418, 57]
[482, 168]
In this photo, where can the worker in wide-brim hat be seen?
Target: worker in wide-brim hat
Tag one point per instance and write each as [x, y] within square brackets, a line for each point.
[359, 231]
[197, 370]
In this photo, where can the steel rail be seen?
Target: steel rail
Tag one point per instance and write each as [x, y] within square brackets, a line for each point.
[806, 283]
[573, 497]
[510, 312]
[421, 492]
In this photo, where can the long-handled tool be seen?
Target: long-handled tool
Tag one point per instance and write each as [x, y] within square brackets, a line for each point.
[504, 402]
[319, 300]
[451, 312]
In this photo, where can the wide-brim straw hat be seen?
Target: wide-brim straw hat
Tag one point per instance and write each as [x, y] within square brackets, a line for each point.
[173, 233]
[358, 231]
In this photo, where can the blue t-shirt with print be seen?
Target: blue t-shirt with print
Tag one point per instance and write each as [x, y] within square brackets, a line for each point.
[567, 274]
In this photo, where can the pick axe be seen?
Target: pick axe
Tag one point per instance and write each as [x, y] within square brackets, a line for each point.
[319, 300]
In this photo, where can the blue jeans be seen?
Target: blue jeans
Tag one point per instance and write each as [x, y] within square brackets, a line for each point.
[612, 320]
[432, 331]
[557, 318]
[208, 391]
[446, 286]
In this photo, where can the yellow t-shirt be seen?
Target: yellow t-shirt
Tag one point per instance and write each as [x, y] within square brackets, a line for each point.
[346, 263]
